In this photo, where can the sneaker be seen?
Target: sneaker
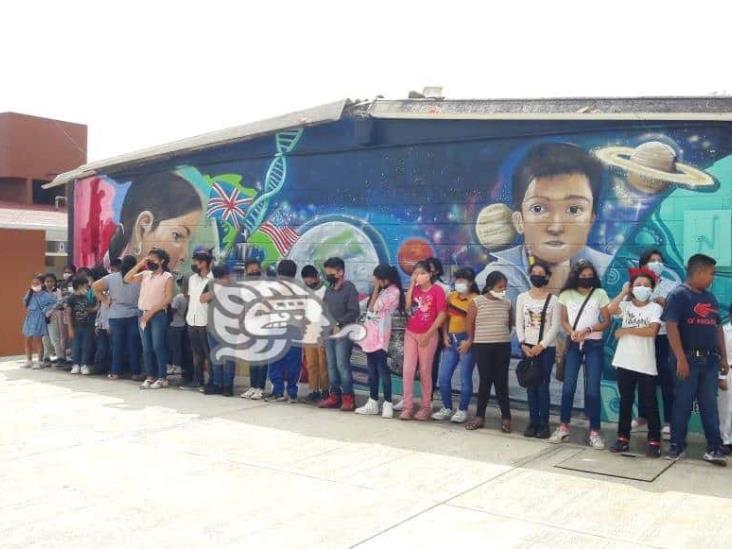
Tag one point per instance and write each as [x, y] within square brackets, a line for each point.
[442, 414]
[371, 408]
[348, 403]
[654, 450]
[461, 416]
[638, 425]
[248, 393]
[543, 432]
[406, 414]
[190, 386]
[530, 431]
[85, 370]
[27, 364]
[112, 376]
[333, 401]
[726, 449]
[75, 369]
[146, 384]
[174, 370]
[207, 386]
[560, 434]
[36, 365]
[212, 390]
[595, 441]
[675, 453]
[423, 414]
[138, 377]
[159, 383]
[399, 406]
[314, 396]
[387, 410]
[292, 400]
[278, 398]
[258, 394]
[715, 457]
[621, 445]
[666, 432]
[227, 391]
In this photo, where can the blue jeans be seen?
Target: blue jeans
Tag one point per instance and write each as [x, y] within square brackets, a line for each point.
[538, 397]
[338, 355]
[286, 370]
[258, 376]
[378, 369]
[223, 373]
[702, 385]
[125, 344]
[449, 360]
[592, 354]
[82, 347]
[155, 345]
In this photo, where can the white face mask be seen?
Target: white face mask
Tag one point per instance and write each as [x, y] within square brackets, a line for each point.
[498, 295]
[67, 276]
[461, 287]
[642, 293]
[36, 288]
[656, 267]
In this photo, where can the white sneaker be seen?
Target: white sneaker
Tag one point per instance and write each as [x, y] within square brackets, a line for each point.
[558, 436]
[159, 383]
[248, 393]
[596, 441]
[146, 384]
[75, 369]
[666, 432]
[442, 414]
[387, 410]
[37, 365]
[174, 370]
[460, 416]
[399, 406]
[638, 425]
[258, 394]
[85, 370]
[371, 408]
[27, 364]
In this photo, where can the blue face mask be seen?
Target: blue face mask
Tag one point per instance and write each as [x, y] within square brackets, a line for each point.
[642, 293]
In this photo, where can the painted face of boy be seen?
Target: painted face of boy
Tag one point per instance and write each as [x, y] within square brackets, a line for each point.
[556, 216]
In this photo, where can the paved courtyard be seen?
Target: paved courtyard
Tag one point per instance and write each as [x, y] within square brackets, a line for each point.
[87, 462]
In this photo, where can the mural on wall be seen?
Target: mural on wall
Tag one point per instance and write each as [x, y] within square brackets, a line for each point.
[495, 203]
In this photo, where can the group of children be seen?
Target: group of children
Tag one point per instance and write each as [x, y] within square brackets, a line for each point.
[667, 336]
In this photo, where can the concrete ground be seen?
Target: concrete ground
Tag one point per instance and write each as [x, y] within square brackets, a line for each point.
[88, 462]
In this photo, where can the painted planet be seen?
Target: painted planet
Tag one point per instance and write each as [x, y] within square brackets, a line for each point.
[411, 251]
[338, 239]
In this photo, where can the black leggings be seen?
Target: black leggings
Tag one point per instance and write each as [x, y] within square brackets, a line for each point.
[492, 360]
[627, 382]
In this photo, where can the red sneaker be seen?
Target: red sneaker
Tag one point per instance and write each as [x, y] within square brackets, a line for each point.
[348, 403]
[333, 401]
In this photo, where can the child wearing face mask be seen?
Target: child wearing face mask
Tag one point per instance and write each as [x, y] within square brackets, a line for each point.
[39, 305]
[456, 354]
[489, 326]
[635, 357]
[386, 298]
[533, 308]
[428, 310]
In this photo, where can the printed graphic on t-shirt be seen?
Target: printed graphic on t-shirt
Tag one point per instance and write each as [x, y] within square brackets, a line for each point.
[705, 314]
[422, 307]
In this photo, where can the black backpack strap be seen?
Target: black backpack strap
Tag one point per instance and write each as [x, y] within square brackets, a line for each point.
[543, 318]
[582, 309]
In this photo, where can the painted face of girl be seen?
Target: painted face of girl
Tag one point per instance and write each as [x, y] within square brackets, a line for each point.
[172, 235]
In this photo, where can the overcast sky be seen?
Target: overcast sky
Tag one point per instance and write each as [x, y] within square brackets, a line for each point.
[148, 72]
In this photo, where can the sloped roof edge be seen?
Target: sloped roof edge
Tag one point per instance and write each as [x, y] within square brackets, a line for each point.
[328, 112]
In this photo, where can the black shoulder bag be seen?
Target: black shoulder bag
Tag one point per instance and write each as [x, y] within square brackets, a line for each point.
[528, 370]
[567, 339]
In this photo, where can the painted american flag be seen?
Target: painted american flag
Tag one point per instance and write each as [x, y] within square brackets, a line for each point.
[283, 236]
[227, 203]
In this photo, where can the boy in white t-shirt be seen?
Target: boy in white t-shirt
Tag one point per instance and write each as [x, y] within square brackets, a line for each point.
[724, 396]
[635, 357]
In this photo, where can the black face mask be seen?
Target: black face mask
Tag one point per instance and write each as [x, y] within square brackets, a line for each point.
[332, 279]
[255, 274]
[538, 281]
[195, 269]
[152, 266]
[313, 285]
[586, 282]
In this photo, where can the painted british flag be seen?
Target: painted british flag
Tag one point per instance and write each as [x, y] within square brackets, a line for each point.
[227, 203]
[283, 236]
